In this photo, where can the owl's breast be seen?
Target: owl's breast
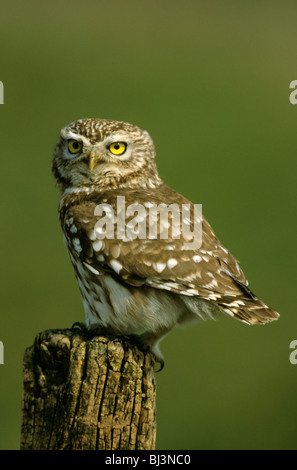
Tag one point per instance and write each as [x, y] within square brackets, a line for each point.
[124, 309]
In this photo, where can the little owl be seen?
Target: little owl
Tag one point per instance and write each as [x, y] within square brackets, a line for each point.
[140, 286]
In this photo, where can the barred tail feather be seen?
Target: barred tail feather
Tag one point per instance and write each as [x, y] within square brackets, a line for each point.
[250, 311]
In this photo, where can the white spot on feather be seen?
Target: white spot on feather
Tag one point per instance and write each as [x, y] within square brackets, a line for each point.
[159, 267]
[93, 270]
[77, 245]
[92, 236]
[171, 263]
[236, 303]
[148, 205]
[116, 266]
[193, 291]
[229, 312]
[213, 296]
[97, 245]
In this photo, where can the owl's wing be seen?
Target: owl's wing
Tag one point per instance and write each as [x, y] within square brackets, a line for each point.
[209, 271]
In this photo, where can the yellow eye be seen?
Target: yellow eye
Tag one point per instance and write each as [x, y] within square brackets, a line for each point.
[74, 146]
[118, 148]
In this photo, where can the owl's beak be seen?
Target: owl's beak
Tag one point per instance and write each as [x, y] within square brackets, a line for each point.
[93, 160]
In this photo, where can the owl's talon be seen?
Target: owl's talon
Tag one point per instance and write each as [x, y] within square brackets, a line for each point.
[80, 325]
[162, 364]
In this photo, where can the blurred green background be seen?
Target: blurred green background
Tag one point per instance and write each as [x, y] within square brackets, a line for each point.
[210, 81]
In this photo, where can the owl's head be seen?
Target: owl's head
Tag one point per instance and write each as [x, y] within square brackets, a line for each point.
[103, 153]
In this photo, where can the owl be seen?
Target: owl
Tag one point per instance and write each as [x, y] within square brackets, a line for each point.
[140, 282]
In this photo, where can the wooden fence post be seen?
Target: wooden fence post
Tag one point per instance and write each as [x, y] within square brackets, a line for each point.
[87, 393]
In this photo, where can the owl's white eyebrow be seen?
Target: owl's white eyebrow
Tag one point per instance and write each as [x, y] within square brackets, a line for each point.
[66, 134]
[115, 138]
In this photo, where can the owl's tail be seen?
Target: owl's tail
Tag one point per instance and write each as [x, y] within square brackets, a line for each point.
[247, 307]
[250, 311]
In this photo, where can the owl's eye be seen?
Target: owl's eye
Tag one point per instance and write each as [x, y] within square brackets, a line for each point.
[74, 146]
[117, 148]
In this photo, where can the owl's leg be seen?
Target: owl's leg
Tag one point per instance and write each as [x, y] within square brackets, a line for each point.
[149, 341]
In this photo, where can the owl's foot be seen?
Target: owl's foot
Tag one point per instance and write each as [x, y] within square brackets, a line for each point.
[145, 344]
[80, 325]
[95, 329]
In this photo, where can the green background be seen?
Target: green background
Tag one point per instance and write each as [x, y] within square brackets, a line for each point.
[210, 82]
